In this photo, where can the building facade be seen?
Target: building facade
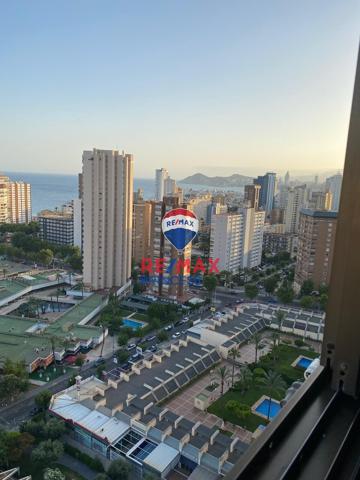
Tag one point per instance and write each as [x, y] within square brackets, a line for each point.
[56, 226]
[4, 213]
[252, 196]
[19, 202]
[171, 282]
[315, 247]
[333, 185]
[295, 201]
[236, 239]
[161, 174]
[107, 193]
[141, 246]
[267, 183]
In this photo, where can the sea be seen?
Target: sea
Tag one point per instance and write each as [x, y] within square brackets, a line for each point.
[53, 190]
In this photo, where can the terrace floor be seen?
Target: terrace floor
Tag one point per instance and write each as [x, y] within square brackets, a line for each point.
[183, 404]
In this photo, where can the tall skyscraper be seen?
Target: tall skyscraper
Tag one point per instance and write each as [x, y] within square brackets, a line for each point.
[172, 283]
[317, 231]
[287, 179]
[267, 183]
[4, 212]
[161, 174]
[320, 201]
[107, 194]
[236, 239]
[295, 201]
[141, 247]
[252, 195]
[19, 202]
[333, 185]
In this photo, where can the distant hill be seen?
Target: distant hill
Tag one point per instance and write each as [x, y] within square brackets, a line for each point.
[234, 180]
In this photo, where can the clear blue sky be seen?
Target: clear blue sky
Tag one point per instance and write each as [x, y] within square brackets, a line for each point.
[191, 85]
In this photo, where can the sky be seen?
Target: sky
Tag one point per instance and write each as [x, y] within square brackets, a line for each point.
[217, 87]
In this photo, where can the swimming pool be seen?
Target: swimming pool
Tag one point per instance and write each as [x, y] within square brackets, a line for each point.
[304, 362]
[134, 324]
[263, 408]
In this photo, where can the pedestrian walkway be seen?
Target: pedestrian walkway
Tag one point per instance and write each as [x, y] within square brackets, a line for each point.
[77, 466]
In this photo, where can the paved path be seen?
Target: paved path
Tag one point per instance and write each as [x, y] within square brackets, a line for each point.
[77, 466]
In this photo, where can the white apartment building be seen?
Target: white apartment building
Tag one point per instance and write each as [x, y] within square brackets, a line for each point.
[19, 202]
[4, 214]
[107, 194]
[161, 174]
[236, 239]
[295, 201]
[333, 185]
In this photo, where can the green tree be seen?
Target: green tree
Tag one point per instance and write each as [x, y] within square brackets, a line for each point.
[54, 428]
[119, 470]
[272, 383]
[233, 355]
[323, 301]
[222, 374]
[270, 285]
[53, 474]
[101, 476]
[162, 336]
[251, 291]
[256, 338]
[122, 355]
[45, 256]
[285, 293]
[210, 283]
[307, 301]
[122, 339]
[47, 452]
[245, 379]
[42, 400]
[307, 287]
[11, 386]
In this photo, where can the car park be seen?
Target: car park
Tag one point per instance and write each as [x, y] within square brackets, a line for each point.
[130, 346]
[176, 335]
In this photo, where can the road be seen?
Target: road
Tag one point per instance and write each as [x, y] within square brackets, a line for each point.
[22, 409]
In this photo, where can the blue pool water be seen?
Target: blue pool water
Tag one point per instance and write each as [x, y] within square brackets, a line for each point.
[303, 363]
[134, 324]
[263, 408]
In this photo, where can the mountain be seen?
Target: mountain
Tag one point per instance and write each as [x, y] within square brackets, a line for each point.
[234, 180]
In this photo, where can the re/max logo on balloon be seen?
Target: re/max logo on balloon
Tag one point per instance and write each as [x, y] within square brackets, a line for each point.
[178, 266]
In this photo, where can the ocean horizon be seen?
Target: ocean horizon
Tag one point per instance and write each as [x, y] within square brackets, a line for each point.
[50, 190]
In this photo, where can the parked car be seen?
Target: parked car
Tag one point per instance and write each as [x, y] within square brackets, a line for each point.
[99, 361]
[176, 335]
[168, 327]
[130, 346]
[150, 338]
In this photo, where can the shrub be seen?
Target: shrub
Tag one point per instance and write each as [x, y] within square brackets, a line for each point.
[93, 463]
[299, 343]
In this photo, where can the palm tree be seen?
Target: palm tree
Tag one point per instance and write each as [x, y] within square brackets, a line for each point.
[256, 338]
[233, 354]
[223, 374]
[245, 376]
[4, 272]
[280, 317]
[272, 383]
[275, 339]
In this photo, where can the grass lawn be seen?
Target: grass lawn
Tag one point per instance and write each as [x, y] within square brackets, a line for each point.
[284, 356]
[49, 372]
